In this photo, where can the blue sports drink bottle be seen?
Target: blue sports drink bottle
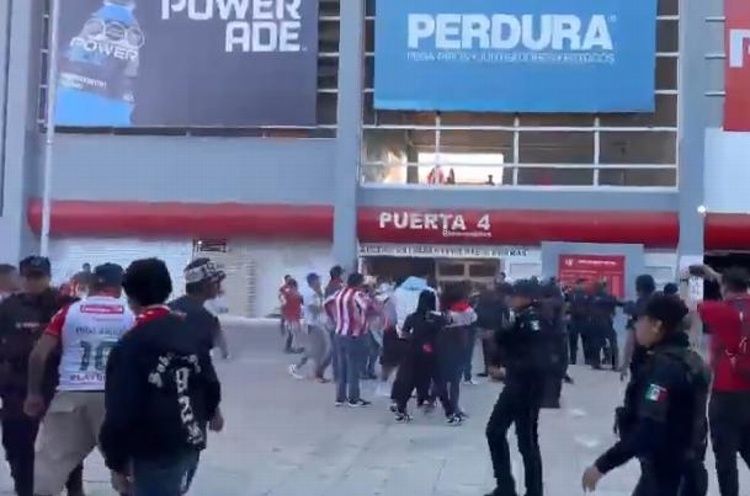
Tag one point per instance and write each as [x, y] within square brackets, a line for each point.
[98, 68]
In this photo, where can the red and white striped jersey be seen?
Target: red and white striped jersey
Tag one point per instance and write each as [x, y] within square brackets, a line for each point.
[348, 309]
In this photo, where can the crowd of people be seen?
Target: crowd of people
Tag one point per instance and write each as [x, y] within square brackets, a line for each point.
[530, 332]
[137, 379]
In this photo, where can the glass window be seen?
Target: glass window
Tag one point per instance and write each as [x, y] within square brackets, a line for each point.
[667, 36]
[557, 147]
[330, 8]
[638, 177]
[483, 270]
[666, 73]
[556, 120]
[668, 7]
[328, 36]
[533, 176]
[643, 147]
[451, 269]
[328, 73]
[665, 115]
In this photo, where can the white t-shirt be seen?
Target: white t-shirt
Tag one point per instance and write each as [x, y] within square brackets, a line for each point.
[316, 316]
[88, 330]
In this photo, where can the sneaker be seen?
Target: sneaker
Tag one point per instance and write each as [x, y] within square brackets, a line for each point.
[322, 380]
[462, 414]
[294, 373]
[393, 408]
[454, 420]
[358, 403]
[403, 417]
[340, 403]
[483, 374]
[470, 382]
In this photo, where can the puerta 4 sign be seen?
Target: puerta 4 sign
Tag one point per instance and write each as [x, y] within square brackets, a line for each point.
[448, 225]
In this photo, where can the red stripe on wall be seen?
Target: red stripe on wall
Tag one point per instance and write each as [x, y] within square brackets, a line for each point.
[315, 222]
[194, 220]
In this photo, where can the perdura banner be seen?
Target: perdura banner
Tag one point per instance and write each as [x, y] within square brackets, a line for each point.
[737, 66]
[515, 55]
[187, 63]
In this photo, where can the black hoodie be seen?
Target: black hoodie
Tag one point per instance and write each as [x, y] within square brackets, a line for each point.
[161, 391]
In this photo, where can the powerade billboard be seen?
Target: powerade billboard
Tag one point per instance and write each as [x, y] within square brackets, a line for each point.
[187, 63]
[543, 56]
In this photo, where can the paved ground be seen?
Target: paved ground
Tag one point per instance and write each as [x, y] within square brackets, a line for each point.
[285, 438]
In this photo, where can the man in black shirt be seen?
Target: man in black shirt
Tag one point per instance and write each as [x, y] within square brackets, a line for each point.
[203, 283]
[161, 392]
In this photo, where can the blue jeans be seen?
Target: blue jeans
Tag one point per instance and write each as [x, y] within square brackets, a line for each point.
[351, 353]
[165, 477]
[334, 355]
[472, 341]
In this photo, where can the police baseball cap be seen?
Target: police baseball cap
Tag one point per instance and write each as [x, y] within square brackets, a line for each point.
[109, 275]
[203, 269]
[35, 266]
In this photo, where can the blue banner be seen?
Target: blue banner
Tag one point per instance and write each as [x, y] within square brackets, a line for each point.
[544, 56]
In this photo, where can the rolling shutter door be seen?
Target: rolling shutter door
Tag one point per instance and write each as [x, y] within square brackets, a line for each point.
[69, 254]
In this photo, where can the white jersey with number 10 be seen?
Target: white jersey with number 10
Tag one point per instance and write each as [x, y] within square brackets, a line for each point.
[88, 330]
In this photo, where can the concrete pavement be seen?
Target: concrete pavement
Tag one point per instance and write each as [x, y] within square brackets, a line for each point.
[284, 437]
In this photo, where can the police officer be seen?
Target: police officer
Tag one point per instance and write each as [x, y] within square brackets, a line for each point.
[663, 419]
[526, 364]
[635, 354]
[578, 301]
[23, 317]
[604, 338]
[552, 309]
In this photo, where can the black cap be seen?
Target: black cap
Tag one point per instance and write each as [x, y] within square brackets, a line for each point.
[35, 265]
[666, 308]
[108, 275]
[526, 288]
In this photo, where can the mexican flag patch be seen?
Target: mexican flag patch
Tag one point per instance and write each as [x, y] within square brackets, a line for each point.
[656, 393]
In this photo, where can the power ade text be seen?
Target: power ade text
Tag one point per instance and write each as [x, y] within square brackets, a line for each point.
[508, 32]
[252, 25]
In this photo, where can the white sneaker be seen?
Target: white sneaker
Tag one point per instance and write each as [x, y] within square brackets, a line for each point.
[471, 382]
[294, 373]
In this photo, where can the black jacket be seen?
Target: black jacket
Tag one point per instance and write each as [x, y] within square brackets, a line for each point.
[161, 391]
[422, 330]
[23, 318]
[663, 418]
[527, 345]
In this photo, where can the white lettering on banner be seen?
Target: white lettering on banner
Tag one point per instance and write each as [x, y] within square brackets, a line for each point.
[437, 251]
[506, 38]
[252, 25]
[739, 46]
[451, 225]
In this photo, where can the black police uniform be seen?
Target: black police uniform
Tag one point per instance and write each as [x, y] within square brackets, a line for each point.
[603, 336]
[551, 306]
[23, 318]
[663, 421]
[527, 365]
[579, 326]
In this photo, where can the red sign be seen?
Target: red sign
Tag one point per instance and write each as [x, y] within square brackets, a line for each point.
[737, 65]
[511, 227]
[593, 268]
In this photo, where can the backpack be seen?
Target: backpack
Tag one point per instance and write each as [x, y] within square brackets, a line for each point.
[740, 360]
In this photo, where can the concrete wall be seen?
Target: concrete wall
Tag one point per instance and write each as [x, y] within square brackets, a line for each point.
[192, 169]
